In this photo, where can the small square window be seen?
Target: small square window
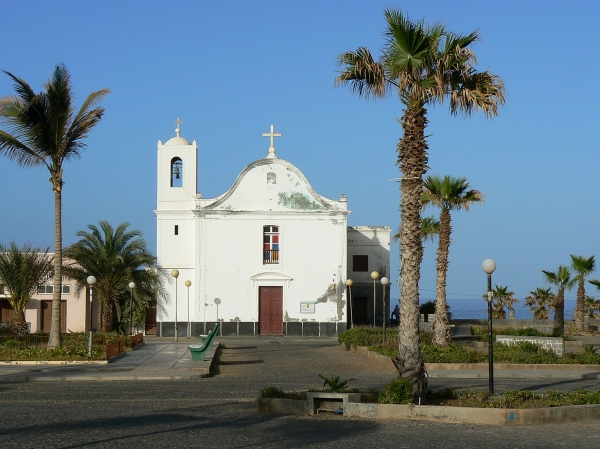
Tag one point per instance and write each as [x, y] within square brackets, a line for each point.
[360, 263]
[66, 289]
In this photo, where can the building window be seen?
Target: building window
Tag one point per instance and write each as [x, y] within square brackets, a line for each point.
[49, 289]
[176, 229]
[270, 244]
[176, 172]
[46, 289]
[271, 178]
[360, 263]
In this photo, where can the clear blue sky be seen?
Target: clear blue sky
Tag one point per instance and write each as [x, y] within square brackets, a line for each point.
[230, 69]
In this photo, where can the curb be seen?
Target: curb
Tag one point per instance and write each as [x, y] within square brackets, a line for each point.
[447, 414]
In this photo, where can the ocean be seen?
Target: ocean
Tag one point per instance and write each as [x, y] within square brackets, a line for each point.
[477, 308]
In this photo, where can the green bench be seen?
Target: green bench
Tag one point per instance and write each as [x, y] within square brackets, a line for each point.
[214, 331]
[199, 350]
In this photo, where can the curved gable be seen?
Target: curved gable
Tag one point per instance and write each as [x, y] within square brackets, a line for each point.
[272, 185]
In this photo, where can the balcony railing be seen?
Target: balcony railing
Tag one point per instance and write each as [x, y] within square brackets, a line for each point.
[270, 256]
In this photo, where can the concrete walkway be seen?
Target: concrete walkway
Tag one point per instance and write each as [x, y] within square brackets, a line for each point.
[285, 362]
[155, 360]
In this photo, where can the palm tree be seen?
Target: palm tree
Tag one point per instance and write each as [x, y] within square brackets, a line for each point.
[562, 280]
[425, 65]
[583, 267]
[447, 193]
[44, 130]
[539, 300]
[115, 257]
[502, 298]
[22, 271]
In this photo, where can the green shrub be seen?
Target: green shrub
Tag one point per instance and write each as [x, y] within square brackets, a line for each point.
[335, 384]
[398, 391]
[271, 392]
[451, 354]
[427, 308]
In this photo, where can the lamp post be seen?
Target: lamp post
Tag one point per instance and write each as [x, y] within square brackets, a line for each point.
[189, 332]
[131, 287]
[489, 266]
[384, 281]
[349, 285]
[91, 280]
[374, 276]
[175, 274]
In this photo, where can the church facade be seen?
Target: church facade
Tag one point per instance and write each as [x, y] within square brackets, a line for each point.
[267, 257]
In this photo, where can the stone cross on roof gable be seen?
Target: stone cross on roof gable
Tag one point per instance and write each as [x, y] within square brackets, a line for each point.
[271, 154]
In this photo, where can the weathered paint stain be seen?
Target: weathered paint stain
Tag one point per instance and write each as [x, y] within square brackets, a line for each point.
[334, 294]
[297, 200]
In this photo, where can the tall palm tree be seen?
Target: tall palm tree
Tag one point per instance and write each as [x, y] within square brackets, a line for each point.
[502, 298]
[561, 278]
[45, 130]
[447, 193]
[539, 300]
[430, 228]
[115, 257]
[22, 271]
[425, 65]
[583, 267]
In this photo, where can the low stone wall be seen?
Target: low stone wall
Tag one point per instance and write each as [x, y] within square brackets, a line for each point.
[554, 344]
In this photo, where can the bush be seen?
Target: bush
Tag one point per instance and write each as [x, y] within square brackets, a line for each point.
[482, 333]
[398, 391]
[271, 392]
[451, 354]
[427, 308]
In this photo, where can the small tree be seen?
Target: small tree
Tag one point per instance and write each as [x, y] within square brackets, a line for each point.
[115, 256]
[539, 301]
[501, 298]
[583, 267]
[22, 271]
[592, 306]
[563, 281]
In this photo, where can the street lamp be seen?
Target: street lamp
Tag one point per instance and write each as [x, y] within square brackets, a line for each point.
[349, 285]
[489, 266]
[384, 281]
[91, 280]
[187, 284]
[131, 287]
[374, 276]
[175, 274]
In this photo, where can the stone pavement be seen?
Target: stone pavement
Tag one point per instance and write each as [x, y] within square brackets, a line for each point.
[220, 411]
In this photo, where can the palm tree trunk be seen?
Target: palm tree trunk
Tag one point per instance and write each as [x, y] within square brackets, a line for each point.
[54, 339]
[412, 159]
[105, 316]
[442, 328]
[580, 307]
[18, 323]
[559, 312]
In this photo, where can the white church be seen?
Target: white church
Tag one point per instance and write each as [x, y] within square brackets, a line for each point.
[268, 257]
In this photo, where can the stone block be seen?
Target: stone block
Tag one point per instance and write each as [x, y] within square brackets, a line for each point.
[330, 401]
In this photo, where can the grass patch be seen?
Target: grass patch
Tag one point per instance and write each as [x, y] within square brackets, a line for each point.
[519, 399]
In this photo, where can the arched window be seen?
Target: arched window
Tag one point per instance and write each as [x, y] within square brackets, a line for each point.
[176, 172]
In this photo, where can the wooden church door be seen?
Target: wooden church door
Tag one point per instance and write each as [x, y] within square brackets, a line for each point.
[271, 310]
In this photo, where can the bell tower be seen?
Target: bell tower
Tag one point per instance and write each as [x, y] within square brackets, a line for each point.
[177, 174]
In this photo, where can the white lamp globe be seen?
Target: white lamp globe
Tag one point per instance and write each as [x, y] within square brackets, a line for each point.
[489, 266]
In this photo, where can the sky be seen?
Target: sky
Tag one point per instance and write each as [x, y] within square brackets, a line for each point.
[231, 69]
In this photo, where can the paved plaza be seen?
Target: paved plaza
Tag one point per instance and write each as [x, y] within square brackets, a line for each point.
[48, 411]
